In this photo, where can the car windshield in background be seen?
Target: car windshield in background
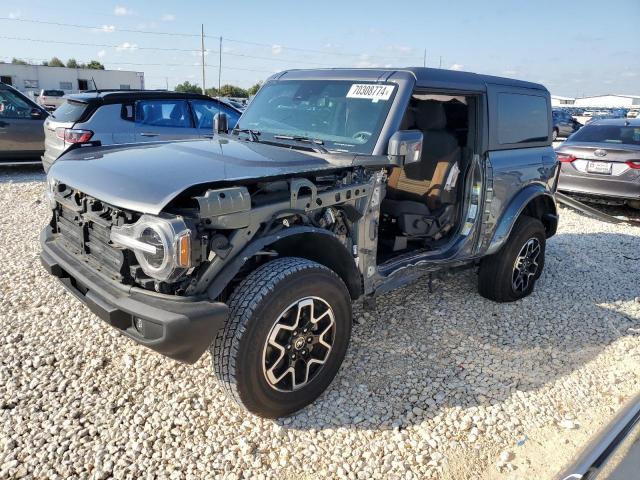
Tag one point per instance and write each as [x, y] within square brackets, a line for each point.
[618, 134]
[53, 93]
[342, 116]
[69, 111]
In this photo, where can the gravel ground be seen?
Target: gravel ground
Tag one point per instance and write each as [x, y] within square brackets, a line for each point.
[435, 385]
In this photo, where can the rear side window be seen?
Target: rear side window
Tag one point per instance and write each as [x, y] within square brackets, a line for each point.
[522, 118]
[163, 113]
[69, 111]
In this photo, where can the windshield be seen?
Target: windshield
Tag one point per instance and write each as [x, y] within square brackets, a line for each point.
[626, 135]
[343, 116]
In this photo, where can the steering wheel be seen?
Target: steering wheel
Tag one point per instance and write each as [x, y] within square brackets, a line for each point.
[361, 135]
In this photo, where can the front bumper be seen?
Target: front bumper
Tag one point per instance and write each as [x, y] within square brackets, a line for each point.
[178, 327]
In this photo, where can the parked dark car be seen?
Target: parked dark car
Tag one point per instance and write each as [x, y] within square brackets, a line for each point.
[131, 116]
[601, 162]
[21, 135]
[335, 185]
[564, 124]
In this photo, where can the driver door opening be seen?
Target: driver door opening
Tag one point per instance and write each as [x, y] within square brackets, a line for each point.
[423, 201]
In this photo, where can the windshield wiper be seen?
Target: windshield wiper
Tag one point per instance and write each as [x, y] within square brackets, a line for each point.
[316, 142]
[254, 134]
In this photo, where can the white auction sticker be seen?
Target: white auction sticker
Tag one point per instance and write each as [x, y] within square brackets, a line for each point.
[370, 91]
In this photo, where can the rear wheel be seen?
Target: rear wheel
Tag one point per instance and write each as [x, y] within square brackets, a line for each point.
[511, 273]
[286, 336]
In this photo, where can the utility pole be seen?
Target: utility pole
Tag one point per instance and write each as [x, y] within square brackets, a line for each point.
[424, 59]
[220, 66]
[166, 81]
[202, 45]
[440, 61]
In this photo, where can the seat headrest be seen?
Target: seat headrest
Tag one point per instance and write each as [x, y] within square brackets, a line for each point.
[430, 115]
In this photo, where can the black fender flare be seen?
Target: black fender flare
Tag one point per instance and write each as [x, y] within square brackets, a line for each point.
[515, 208]
[344, 264]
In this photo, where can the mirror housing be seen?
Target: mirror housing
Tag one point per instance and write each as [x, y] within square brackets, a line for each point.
[221, 123]
[405, 147]
[36, 114]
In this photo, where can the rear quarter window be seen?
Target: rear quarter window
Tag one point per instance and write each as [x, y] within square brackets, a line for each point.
[522, 118]
[69, 111]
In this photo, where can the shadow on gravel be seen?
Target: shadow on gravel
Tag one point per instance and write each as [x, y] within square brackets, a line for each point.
[455, 348]
[21, 174]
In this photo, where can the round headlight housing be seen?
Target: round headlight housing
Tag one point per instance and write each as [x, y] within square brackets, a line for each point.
[161, 245]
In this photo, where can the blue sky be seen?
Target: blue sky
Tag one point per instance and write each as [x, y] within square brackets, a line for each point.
[574, 47]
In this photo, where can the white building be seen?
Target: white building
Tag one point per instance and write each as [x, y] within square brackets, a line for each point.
[557, 101]
[609, 101]
[33, 78]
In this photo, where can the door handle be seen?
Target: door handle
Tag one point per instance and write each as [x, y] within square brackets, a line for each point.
[4, 124]
[149, 134]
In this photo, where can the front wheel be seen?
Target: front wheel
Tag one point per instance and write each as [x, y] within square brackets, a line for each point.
[286, 336]
[511, 273]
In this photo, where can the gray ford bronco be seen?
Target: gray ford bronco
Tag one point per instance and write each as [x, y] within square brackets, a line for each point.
[335, 185]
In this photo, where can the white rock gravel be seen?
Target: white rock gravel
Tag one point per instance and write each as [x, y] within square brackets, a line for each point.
[429, 379]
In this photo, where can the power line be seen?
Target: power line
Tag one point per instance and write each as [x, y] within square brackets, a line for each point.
[99, 27]
[194, 65]
[216, 37]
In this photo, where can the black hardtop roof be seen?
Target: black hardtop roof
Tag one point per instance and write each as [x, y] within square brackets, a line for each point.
[117, 96]
[424, 77]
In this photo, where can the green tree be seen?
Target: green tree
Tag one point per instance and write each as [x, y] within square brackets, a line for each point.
[232, 91]
[188, 87]
[94, 65]
[56, 62]
[254, 89]
[212, 92]
[71, 63]
[18, 61]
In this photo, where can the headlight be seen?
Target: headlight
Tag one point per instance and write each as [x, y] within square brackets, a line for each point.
[161, 245]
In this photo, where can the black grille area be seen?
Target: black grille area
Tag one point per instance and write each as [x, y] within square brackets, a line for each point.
[84, 226]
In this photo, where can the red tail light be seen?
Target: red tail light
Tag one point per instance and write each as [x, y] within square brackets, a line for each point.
[635, 164]
[73, 135]
[562, 157]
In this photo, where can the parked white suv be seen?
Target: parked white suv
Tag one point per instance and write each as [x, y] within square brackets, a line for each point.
[130, 116]
[51, 99]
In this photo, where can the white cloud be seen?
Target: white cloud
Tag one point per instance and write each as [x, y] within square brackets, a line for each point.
[168, 17]
[276, 49]
[399, 49]
[121, 11]
[630, 74]
[126, 46]
[456, 66]
[102, 53]
[14, 15]
[509, 72]
[108, 28]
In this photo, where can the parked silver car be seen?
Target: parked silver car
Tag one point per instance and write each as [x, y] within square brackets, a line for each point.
[51, 99]
[129, 116]
[21, 136]
[601, 162]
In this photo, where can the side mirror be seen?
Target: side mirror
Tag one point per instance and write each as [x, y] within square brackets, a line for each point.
[405, 146]
[36, 113]
[221, 123]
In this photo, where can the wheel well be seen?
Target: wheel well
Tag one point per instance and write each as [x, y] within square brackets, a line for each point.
[327, 250]
[543, 208]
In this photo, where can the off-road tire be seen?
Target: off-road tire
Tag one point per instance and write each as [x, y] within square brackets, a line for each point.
[495, 276]
[255, 306]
